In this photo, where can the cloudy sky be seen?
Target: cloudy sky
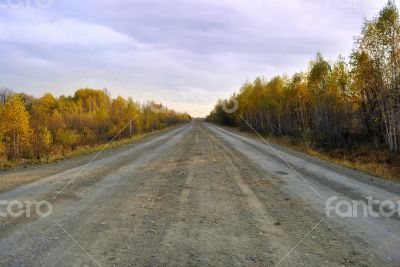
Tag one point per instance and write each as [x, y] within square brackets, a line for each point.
[185, 53]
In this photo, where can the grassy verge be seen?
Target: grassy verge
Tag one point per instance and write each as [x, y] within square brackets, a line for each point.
[80, 151]
[366, 158]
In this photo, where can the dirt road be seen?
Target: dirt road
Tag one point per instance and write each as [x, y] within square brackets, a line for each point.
[198, 195]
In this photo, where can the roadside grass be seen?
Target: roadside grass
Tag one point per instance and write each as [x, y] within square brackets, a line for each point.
[79, 151]
[366, 158]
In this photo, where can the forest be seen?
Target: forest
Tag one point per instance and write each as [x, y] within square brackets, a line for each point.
[39, 129]
[346, 104]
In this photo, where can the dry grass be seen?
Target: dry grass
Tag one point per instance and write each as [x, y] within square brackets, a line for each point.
[373, 161]
[368, 159]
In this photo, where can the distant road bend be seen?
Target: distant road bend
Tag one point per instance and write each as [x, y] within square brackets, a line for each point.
[198, 195]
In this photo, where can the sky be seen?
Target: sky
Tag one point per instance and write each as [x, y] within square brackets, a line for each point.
[186, 54]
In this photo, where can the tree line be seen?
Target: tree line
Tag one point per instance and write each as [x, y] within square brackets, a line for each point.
[36, 128]
[332, 104]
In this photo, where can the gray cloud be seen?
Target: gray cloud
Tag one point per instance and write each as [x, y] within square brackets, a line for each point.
[184, 53]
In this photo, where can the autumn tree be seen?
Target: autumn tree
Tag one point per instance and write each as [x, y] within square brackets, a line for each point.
[16, 127]
[5, 94]
[36, 128]
[43, 143]
[332, 104]
[377, 55]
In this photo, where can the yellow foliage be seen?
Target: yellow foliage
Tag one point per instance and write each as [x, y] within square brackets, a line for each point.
[59, 125]
[16, 126]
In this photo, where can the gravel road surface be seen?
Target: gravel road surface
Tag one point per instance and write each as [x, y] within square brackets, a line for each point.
[198, 195]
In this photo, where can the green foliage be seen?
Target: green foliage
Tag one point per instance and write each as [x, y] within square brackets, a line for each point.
[67, 138]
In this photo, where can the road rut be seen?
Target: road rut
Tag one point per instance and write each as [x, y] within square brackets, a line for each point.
[196, 196]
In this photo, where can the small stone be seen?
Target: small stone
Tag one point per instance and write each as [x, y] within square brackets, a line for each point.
[252, 258]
